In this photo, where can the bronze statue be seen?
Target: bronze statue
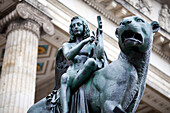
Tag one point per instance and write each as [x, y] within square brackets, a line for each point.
[114, 88]
[80, 51]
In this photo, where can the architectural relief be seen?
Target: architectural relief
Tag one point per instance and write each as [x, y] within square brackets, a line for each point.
[144, 6]
[164, 17]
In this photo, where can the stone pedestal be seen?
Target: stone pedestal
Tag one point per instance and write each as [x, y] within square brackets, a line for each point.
[18, 77]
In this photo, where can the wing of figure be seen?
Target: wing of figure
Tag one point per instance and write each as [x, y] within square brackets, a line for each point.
[61, 67]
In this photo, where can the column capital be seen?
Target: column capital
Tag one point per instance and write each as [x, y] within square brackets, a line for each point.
[24, 24]
[24, 12]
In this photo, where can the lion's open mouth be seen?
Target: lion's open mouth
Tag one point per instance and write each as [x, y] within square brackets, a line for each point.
[129, 35]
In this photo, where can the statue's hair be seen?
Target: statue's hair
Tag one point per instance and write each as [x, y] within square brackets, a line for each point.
[86, 31]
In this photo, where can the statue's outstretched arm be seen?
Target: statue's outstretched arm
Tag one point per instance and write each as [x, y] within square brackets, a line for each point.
[99, 40]
[70, 52]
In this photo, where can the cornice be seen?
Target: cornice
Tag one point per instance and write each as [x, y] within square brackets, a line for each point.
[100, 10]
[155, 49]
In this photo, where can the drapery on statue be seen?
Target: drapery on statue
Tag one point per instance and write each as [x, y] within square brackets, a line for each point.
[115, 88]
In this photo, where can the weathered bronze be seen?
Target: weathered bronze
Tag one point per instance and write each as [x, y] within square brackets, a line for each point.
[114, 88]
[80, 51]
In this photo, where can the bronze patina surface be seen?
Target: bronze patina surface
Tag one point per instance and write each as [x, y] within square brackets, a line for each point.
[105, 88]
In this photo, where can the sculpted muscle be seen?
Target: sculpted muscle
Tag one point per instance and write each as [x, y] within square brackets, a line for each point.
[121, 84]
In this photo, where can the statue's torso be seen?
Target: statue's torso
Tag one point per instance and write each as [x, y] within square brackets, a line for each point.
[78, 62]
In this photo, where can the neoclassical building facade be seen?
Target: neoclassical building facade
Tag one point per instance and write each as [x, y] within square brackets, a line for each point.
[32, 31]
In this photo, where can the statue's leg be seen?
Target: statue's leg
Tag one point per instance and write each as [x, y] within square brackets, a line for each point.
[65, 92]
[89, 67]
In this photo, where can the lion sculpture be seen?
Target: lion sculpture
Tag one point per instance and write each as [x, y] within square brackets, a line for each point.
[118, 87]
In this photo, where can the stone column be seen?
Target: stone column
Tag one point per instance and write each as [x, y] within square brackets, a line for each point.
[18, 77]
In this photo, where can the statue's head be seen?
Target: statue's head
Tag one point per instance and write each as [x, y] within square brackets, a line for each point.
[85, 32]
[135, 34]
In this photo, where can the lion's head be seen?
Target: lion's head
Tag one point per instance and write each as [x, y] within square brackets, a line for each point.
[135, 34]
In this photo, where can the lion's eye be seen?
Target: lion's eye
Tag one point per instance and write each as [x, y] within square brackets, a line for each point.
[139, 20]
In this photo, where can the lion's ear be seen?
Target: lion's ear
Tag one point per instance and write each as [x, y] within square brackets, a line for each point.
[155, 26]
[116, 33]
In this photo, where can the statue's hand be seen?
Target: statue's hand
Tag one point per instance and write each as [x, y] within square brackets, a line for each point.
[93, 38]
[90, 39]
